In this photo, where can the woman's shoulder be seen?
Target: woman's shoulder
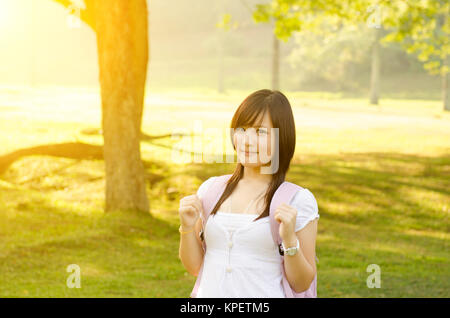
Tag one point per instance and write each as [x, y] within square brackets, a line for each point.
[307, 209]
[205, 185]
[305, 201]
[303, 194]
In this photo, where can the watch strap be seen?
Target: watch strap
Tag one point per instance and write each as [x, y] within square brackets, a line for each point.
[286, 250]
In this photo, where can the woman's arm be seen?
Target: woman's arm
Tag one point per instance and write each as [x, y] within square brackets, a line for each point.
[301, 268]
[191, 250]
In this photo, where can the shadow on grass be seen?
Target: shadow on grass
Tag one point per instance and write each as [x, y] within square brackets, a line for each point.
[116, 251]
[383, 208]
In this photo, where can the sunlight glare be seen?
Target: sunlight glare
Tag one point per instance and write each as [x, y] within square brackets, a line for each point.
[5, 6]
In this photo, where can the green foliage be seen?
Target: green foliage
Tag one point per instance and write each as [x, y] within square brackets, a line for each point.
[291, 16]
[226, 23]
[421, 26]
[423, 29]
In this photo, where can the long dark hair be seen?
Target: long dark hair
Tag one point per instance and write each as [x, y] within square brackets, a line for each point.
[280, 112]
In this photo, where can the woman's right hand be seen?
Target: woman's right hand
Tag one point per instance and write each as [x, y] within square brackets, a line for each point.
[191, 208]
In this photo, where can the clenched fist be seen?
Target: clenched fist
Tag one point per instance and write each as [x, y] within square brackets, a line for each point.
[286, 215]
[191, 208]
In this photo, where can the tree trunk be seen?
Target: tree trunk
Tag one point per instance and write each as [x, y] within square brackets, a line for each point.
[375, 70]
[122, 43]
[276, 63]
[445, 86]
[221, 84]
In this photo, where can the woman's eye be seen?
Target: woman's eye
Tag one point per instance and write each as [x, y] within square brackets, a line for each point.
[262, 131]
[240, 130]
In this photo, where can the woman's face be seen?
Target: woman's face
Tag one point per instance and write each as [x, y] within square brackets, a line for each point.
[254, 144]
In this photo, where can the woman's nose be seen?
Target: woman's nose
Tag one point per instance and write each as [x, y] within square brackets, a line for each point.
[250, 139]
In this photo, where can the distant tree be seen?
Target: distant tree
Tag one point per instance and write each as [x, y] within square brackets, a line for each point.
[335, 62]
[291, 16]
[275, 63]
[226, 23]
[375, 68]
[422, 27]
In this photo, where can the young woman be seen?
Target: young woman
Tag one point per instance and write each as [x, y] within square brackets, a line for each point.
[241, 258]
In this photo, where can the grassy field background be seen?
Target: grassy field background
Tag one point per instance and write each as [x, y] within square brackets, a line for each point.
[380, 174]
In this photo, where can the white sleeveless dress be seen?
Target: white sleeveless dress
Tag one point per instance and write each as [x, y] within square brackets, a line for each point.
[241, 259]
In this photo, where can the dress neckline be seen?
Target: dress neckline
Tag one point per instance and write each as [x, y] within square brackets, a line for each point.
[233, 213]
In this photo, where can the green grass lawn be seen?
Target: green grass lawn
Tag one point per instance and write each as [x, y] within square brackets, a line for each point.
[381, 176]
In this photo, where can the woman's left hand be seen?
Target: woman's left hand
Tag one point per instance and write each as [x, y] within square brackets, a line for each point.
[286, 215]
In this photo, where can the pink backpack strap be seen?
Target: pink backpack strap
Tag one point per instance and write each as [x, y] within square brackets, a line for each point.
[213, 194]
[284, 194]
[209, 201]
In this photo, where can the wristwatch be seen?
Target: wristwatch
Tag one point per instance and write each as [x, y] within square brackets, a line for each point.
[291, 250]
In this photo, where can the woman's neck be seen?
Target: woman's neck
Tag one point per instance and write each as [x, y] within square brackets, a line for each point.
[253, 176]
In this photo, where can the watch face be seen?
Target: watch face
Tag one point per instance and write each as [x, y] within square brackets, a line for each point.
[291, 252]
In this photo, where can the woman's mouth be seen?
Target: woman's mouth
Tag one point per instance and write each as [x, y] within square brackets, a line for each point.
[248, 153]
